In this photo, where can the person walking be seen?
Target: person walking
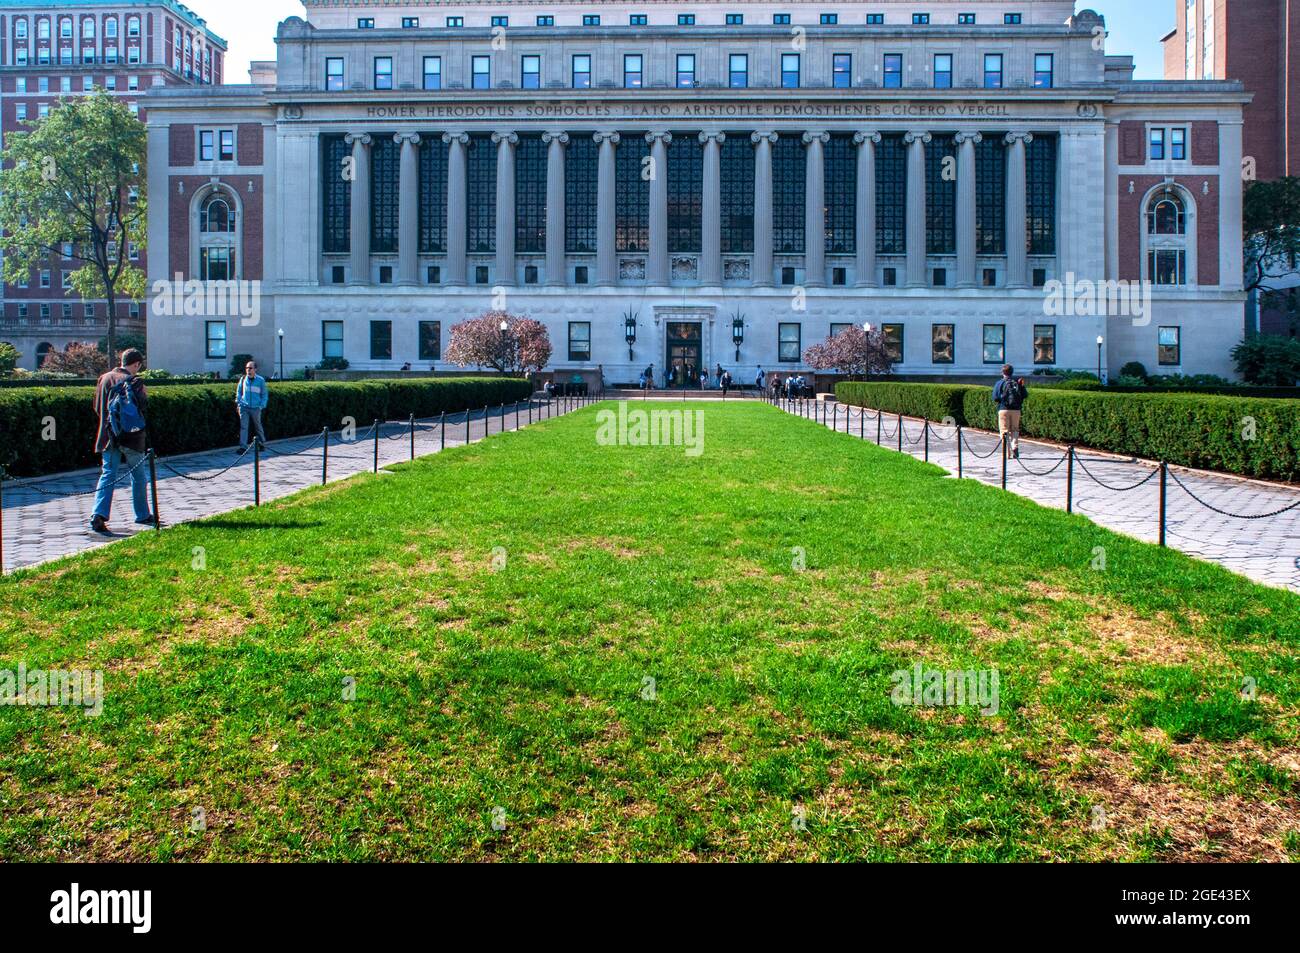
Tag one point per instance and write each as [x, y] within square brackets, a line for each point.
[724, 381]
[704, 380]
[120, 399]
[758, 379]
[1009, 396]
[251, 396]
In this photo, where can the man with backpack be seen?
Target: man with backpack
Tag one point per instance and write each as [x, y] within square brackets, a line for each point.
[1009, 396]
[250, 398]
[120, 399]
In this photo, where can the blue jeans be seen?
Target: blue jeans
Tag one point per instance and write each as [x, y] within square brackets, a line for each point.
[108, 476]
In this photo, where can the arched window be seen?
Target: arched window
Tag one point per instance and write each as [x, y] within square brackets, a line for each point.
[1167, 239]
[216, 215]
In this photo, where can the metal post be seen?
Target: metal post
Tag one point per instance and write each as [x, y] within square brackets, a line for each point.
[1069, 480]
[257, 473]
[1004, 461]
[487, 417]
[880, 421]
[862, 423]
[900, 433]
[926, 429]
[2, 521]
[959, 451]
[376, 451]
[442, 430]
[502, 423]
[412, 436]
[325, 457]
[1164, 473]
[153, 488]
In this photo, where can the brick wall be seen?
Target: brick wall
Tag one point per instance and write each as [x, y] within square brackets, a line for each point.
[1205, 143]
[178, 221]
[248, 136]
[180, 145]
[1132, 221]
[1132, 142]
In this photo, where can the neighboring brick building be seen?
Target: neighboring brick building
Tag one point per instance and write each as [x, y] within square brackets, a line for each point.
[58, 48]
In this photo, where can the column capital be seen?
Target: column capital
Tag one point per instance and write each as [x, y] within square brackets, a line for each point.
[757, 137]
[610, 137]
[810, 137]
[403, 137]
[355, 137]
[912, 137]
[718, 137]
[1013, 137]
[561, 137]
[460, 137]
[510, 137]
[664, 137]
[962, 137]
[859, 138]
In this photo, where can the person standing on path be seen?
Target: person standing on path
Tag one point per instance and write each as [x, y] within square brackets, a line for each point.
[251, 397]
[120, 399]
[1009, 396]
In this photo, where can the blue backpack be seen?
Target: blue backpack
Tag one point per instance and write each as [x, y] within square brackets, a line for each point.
[124, 413]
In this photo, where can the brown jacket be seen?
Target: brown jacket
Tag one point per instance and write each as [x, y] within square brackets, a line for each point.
[105, 438]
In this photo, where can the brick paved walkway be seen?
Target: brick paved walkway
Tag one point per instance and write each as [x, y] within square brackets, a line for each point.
[1266, 550]
[40, 526]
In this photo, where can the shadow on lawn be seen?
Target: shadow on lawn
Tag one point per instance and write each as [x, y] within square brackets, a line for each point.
[221, 523]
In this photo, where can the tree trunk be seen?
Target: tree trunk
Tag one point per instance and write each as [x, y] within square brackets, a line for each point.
[112, 326]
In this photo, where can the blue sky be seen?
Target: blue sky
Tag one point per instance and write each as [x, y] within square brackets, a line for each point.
[249, 27]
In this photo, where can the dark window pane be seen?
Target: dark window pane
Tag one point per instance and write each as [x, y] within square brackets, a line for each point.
[991, 195]
[789, 165]
[430, 340]
[940, 196]
[384, 193]
[841, 195]
[685, 189]
[891, 195]
[381, 340]
[482, 212]
[530, 194]
[631, 194]
[433, 194]
[336, 200]
[737, 194]
[580, 180]
[1040, 158]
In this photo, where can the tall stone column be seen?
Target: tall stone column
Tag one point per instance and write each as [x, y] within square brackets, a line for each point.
[505, 142]
[814, 219]
[966, 208]
[865, 236]
[408, 209]
[1111, 209]
[657, 260]
[916, 250]
[359, 242]
[606, 217]
[1017, 234]
[762, 277]
[711, 211]
[555, 262]
[457, 198]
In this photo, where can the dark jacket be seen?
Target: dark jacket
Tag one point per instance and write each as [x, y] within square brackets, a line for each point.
[105, 439]
[1009, 394]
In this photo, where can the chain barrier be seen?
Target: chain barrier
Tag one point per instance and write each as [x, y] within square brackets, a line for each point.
[1116, 489]
[1064, 457]
[69, 494]
[211, 476]
[291, 453]
[1235, 516]
[978, 455]
[908, 440]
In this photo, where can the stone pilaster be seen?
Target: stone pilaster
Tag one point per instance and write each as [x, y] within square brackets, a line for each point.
[814, 227]
[556, 273]
[916, 249]
[505, 233]
[966, 142]
[657, 260]
[606, 219]
[457, 199]
[359, 241]
[408, 209]
[865, 235]
[762, 272]
[711, 210]
[1017, 228]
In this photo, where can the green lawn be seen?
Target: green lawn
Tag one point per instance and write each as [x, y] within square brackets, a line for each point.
[1121, 731]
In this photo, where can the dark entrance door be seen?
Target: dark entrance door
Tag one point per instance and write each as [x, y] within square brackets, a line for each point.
[683, 354]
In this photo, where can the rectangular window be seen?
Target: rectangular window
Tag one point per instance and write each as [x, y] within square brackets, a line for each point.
[893, 70]
[591, 19]
[631, 70]
[892, 336]
[383, 72]
[430, 337]
[842, 70]
[381, 340]
[336, 274]
[686, 19]
[875, 19]
[943, 71]
[1167, 266]
[531, 72]
[1044, 70]
[226, 150]
[1178, 144]
[365, 23]
[20, 112]
[1157, 144]
[920, 19]
[433, 72]
[781, 19]
[789, 70]
[828, 19]
[637, 19]
[995, 343]
[207, 142]
[966, 19]
[789, 342]
[455, 22]
[1044, 343]
[580, 340]
[839, 328]
[546, 20]
[685, 69]
[215, 337]
[941, 343]
[481, 72]
[410, 23]
[582, 71]
[1168, 348]
[1011, 19]
[992, 70]
[500, 21]
[433, 274]
[735, 19]
[738, 71]
[331, 339]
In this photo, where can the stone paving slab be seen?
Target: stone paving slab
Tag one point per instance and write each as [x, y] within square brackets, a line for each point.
[42, 526]
[1266, 550]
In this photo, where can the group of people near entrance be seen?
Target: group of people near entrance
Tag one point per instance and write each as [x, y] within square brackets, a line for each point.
[683, 375]
[122, 438]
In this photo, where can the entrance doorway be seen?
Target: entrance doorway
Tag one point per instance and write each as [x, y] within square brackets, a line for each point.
[683, 358]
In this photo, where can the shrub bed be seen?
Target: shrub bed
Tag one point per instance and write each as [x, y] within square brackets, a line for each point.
[1195, 430]
[202, 417]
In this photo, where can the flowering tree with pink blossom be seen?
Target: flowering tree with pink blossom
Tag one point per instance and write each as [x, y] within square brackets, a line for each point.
[852, 351]
[523, 348]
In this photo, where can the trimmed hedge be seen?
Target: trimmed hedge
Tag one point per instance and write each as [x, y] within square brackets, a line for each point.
[1194, 430]
[203, 417]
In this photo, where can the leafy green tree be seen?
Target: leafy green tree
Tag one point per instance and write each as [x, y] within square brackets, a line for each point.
[76, 177]
[1270, 220]
[9, 357]
[1270, 360]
